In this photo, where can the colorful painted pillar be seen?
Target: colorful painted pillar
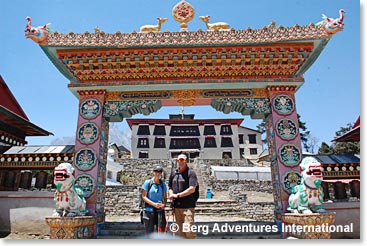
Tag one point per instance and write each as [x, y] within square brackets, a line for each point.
[91, 147]
[284, 145]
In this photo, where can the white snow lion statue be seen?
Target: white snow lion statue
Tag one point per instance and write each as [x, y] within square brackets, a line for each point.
[69, 199]
[308, 196]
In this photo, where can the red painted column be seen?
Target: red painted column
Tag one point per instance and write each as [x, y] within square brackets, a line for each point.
[91, 147]
[284, 145]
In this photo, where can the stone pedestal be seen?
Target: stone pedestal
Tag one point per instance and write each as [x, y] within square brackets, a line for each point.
[307, 226]
[80, 227]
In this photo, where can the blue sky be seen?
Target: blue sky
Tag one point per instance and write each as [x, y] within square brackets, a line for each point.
[328, 100]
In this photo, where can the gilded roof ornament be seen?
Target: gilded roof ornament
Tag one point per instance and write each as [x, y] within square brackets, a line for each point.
[183, 13]
[217, 26]
[153, 28]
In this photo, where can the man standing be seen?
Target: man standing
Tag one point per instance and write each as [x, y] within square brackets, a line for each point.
[181, 190]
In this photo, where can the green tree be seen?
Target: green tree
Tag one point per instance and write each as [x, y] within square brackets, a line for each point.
[262, 129]
[348, 148]
[325, 149]
[305, 135]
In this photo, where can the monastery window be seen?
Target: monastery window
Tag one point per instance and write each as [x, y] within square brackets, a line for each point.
[143, 130]
[184, 131]
[143, 143]
[159, 130]
[209, 130]
[226, 142]
[253, 151]
[184, 143]
[226, 130]
[143, 155]
[252, 138]
[159, 143]
[210, 143]
[240, 139]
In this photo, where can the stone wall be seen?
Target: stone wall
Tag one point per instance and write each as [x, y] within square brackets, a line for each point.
[240, 185]
[122, 200]
[226, 162]
[136, 171]
[260, 211]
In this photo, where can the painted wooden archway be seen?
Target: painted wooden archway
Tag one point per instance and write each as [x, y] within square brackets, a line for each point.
[253, 72]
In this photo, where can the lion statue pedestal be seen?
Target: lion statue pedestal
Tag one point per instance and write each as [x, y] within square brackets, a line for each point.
[79, 227]
[308, 217]
[307, 226]
[69, 220]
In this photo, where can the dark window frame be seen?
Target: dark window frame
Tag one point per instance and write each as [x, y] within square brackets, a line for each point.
[210, 143]
[191, 131]
[226, 130]
[143, 130]
[141, 143]
[143, 155]
[158, 143]
[184, 143]
[226, 142]
[253, 151]
[252, 138]
[159, 130]
[209, 130]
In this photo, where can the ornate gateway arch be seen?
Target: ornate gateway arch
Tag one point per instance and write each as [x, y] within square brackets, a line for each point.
[253, 72]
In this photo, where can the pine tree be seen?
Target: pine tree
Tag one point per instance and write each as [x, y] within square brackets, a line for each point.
[262, 129]
[325, 149]
[346, 148]
[305, 135]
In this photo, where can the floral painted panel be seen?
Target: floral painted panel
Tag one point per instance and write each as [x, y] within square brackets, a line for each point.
[286, 129]
[88, 133]
[90, 109]
[85, 159]
[283, 104]
[290, 155]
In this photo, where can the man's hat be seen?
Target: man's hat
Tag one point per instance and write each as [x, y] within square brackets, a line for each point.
[158, 169]
[182, 156]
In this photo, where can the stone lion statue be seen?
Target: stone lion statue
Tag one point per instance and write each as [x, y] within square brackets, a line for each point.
[308, 196]
[69, 199]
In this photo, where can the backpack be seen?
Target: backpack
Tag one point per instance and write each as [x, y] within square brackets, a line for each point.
[141, 201]
[196, 193]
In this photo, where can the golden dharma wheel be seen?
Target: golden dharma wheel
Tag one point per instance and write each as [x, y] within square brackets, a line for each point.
[183, 12]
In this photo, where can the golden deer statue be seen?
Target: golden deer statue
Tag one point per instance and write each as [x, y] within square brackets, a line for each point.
[153, 28]
[217, 26]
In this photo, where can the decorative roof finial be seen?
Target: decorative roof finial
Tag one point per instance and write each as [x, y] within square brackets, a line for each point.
[183, 13]
[331, 25]
[37, 34]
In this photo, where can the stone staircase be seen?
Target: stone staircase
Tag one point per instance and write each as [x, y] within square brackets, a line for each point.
[216, 207]
[205, 230]
[202, 185]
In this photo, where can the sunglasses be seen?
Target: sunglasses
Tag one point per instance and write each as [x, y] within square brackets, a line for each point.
[181, 160]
